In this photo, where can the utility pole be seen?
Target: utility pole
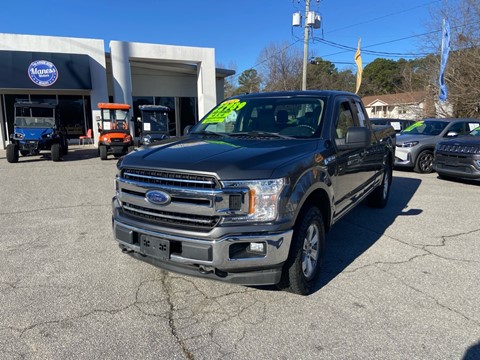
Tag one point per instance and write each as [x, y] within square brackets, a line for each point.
[305, 46]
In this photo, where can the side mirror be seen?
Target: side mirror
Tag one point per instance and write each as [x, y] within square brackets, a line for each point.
[187, 129]
[356, 137]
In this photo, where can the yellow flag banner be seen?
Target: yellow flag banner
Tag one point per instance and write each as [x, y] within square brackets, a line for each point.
[358, 61]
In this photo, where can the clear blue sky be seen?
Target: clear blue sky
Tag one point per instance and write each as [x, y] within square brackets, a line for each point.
[237, 30]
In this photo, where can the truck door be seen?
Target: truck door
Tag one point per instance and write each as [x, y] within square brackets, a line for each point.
[352, 172]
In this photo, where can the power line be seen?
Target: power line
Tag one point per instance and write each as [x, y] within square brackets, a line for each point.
[370, 52]
[383, 17]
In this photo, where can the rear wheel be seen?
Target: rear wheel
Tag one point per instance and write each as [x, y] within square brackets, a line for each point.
[102, 149]
[12, 153]
[424, 163]
[379, 197]
[302, 267]
[65, 148]
[56, 150]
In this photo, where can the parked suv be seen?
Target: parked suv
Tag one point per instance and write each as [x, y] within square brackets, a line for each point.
[459, 157]
[416, 144]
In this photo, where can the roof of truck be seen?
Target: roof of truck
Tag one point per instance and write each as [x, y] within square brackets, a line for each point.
[294, 93]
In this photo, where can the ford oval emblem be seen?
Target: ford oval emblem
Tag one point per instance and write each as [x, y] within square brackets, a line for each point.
[158, 197]
[43, 73]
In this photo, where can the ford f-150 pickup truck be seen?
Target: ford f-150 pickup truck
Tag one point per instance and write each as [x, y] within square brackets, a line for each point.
[248, 195]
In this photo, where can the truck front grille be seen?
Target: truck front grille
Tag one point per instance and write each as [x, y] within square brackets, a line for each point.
[171, 179]
[188, 222]
[459, 149]
[196, 202]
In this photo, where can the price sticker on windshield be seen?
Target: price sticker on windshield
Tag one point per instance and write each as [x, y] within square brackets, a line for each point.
[222, 111]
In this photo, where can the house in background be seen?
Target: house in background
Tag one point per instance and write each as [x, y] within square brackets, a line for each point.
[398, 106]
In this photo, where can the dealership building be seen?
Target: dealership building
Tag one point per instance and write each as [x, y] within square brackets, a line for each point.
[78, 73]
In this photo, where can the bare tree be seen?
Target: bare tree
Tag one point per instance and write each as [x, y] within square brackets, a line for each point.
[462, 74]
[281, 67]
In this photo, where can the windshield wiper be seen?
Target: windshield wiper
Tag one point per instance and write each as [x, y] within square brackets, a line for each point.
[260, 134]
[209, 133]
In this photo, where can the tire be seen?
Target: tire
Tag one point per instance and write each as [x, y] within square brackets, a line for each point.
[65, 148]
[102, 149]
[379, 197]
[302, 268]
[12, 153]
[424, 162]
[56, 151]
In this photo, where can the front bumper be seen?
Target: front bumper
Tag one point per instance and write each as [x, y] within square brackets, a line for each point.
[226, 258]
[455, 165]
[403, 157]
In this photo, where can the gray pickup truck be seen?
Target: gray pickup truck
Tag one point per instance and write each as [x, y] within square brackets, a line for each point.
[248, 195]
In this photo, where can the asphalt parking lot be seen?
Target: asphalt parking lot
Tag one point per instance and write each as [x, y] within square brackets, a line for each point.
[397, 283]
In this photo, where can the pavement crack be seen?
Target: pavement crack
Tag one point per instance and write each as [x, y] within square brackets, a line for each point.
[432, 298]
[171, 322]
[54, 208]
[22, 331]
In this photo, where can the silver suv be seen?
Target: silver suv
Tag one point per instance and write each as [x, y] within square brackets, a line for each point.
[416, 144]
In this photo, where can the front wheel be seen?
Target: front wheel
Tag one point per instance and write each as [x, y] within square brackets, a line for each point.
[302, 268]
[424, 163]
[102, 149]
[12, 153]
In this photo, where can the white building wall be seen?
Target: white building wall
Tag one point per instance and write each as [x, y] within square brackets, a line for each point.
[204, 58]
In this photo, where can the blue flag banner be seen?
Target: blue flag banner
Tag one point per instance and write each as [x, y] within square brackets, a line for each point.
[443, 94]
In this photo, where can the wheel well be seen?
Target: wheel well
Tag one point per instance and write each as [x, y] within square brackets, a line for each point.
[320, 199]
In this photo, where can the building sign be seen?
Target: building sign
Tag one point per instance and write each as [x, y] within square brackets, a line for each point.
[55, 71]
[43, 73]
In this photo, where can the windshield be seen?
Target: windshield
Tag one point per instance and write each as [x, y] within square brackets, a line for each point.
[475, 132]
[155, 121]
[292, 117]
[427, 127]
[34, 117]
[114, 119]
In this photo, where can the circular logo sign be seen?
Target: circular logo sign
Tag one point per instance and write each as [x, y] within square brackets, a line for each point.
[43, 73]
[157, 197]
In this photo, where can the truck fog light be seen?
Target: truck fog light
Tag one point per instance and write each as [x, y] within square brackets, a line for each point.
[478, 163]
[257, 247]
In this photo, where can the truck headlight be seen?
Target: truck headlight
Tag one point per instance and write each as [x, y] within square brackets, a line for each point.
[18, 136]
[263, 198]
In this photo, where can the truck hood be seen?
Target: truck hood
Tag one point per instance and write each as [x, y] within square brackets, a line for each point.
[228, 158]
[463, 140]
[403, 138]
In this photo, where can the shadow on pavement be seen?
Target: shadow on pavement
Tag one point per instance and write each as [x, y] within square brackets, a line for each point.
[350, 237]
[362, 227]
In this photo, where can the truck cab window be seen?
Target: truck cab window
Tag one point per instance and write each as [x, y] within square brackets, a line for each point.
[344, 120]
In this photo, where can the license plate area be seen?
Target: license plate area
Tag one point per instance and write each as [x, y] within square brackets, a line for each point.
[452, 161]
[155, 247]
